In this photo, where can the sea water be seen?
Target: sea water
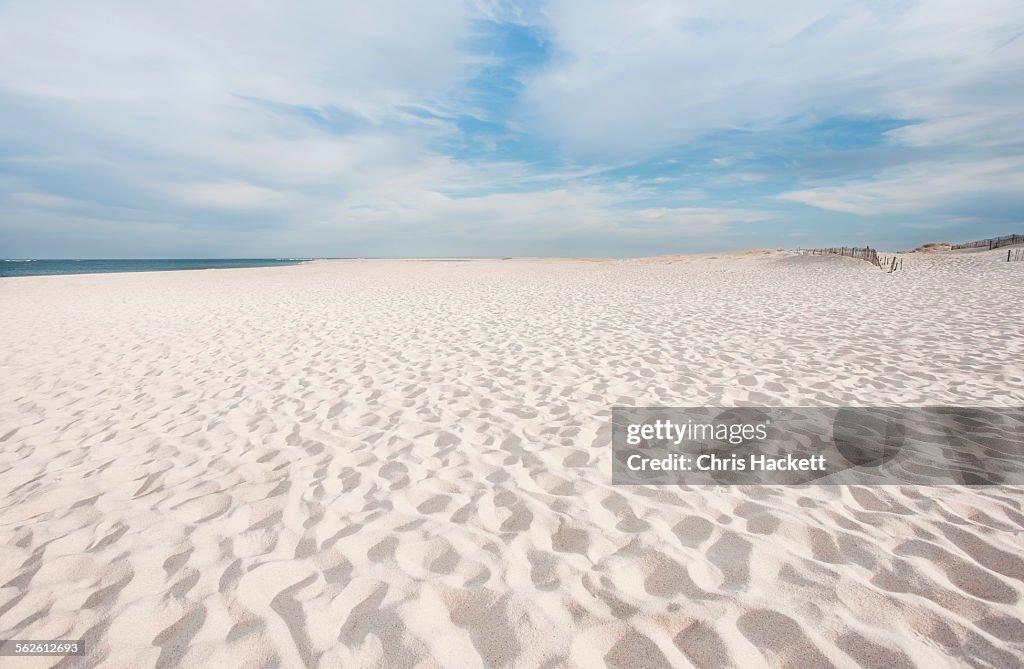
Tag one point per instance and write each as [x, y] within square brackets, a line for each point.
[42, 267]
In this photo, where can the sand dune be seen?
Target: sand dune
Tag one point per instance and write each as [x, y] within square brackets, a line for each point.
[385, 463]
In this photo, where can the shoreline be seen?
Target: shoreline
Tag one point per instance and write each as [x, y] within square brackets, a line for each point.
[287, 262]
[75, 267]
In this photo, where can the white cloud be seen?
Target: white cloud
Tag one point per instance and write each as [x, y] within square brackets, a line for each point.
[45, 200]
[921, 188]
[120, 115]
[576, 219]
[231, 195]
[629, 77]
[193, 56]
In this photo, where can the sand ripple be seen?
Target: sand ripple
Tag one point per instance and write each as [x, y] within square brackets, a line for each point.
[407, 464]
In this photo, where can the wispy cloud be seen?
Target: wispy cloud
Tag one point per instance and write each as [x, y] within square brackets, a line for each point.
[930, 187]
[473, 128]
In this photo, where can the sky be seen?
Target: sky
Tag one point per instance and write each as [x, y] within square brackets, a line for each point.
[490, 129]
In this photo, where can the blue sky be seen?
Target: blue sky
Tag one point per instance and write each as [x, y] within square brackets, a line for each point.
[494, 128]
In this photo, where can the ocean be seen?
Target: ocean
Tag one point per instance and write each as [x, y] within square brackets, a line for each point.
[45, 267]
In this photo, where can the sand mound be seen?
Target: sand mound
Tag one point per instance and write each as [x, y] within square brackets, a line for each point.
[934, 246]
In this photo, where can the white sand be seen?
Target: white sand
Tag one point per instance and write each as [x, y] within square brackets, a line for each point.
[398, 463]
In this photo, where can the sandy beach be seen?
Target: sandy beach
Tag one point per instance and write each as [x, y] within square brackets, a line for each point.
[407, 463]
